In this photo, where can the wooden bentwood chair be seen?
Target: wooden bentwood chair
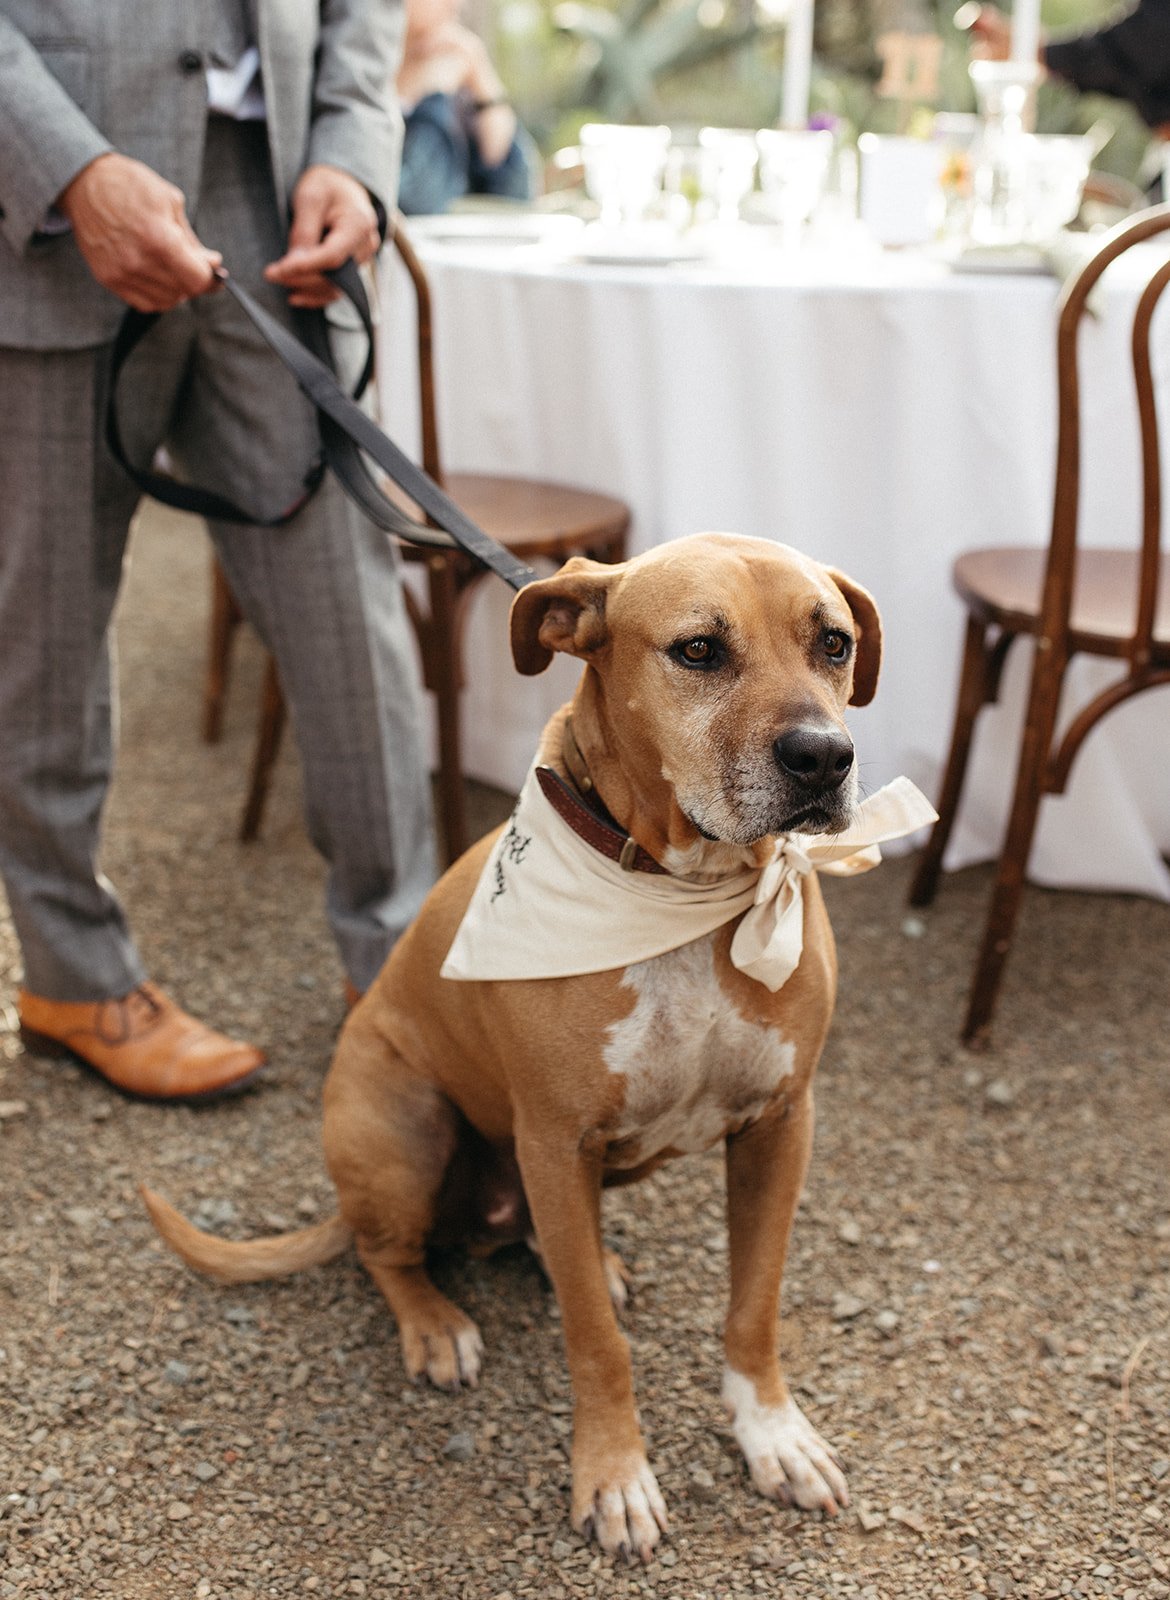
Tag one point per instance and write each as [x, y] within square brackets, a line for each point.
[1070, 600]
[535, 520]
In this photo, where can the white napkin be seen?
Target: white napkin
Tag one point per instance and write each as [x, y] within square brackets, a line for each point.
[547, 905]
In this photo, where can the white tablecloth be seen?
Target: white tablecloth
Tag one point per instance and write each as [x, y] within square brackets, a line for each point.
[879, 411]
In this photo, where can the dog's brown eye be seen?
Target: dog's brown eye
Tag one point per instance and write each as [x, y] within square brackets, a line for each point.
[698, 652]
[836, 645]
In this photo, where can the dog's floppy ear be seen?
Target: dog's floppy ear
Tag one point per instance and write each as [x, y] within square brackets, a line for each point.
[565, 612]
[869, 638]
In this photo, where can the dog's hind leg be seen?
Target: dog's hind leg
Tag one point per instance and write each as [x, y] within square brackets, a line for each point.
[389, 1140]
[618, 1277]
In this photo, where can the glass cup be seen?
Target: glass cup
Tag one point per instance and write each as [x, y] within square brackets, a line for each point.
[1004, 91]
[794, 165]
[730, 172]
[624, 167]
[1055, 169]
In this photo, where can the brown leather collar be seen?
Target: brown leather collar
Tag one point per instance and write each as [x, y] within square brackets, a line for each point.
[586, 812]
[579, 770]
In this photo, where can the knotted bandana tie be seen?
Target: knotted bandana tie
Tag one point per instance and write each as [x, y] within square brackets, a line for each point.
[549, 906]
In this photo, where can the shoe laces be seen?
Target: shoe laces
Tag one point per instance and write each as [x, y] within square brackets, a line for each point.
[143, 1005]
[147, 998]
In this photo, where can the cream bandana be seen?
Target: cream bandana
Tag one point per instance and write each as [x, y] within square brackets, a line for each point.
[548, 905]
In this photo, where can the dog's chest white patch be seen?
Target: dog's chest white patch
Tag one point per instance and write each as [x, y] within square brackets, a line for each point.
[694, 1067]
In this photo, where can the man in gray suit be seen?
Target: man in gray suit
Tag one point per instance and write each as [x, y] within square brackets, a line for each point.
[139, 147]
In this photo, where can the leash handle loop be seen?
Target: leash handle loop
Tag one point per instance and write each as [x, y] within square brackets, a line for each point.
[348, 436]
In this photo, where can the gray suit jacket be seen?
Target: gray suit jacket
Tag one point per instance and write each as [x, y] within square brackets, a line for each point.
[80, 77]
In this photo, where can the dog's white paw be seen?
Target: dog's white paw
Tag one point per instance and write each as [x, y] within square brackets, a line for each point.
[786, 1456]
[448, 1350]
[617, 1501]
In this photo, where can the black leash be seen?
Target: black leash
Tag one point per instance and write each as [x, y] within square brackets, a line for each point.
[348, 435]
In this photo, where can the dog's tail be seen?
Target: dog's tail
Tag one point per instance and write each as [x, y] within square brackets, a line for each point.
[252, 1260]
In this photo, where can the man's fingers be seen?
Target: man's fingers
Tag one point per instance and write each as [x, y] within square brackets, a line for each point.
[310, 220]
[356, 236]
[368, 243]
[344, 239]
[301, 268]
[157, 283]
[332, 221]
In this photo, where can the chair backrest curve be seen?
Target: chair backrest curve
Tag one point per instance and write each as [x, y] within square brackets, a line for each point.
[1072, 304]
[428, 424]
[1141, 648]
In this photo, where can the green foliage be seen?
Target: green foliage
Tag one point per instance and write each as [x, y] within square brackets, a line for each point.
[695, 62]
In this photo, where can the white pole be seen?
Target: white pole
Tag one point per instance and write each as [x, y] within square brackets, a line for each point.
[798, 46]
[1026, 32]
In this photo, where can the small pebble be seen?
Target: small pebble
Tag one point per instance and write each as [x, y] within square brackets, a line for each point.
[845, 1307]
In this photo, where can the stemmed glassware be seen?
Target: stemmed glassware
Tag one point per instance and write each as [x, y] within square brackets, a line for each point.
[794, 167]
[623, 169]
[730, 169]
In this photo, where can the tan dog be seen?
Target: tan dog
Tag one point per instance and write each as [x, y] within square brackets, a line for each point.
[709, 717]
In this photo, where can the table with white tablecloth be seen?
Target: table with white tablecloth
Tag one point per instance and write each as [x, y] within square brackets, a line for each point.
[878, 410]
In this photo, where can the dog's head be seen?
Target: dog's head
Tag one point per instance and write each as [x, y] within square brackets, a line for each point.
[719, 666]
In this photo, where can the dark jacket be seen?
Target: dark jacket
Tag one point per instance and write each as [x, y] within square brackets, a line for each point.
[1129, 57]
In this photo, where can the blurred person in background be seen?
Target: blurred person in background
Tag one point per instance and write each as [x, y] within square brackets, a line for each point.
[462, 134]
[1127, 56]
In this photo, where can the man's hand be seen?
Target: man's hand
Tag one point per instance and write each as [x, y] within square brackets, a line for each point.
[989, 29]
[444, 60]
[333, 218]
[131, 226]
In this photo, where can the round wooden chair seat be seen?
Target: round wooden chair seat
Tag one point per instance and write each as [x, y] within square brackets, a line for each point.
[1004, 586]
[531, 517]
[537, 518]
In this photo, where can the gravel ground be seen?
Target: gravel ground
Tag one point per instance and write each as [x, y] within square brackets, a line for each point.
[977, 1308]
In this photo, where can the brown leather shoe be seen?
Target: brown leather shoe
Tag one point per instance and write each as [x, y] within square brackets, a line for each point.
[143, 1044]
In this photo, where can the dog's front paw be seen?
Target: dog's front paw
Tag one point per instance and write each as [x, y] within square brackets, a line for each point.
[786, 1456]
[616, 1500]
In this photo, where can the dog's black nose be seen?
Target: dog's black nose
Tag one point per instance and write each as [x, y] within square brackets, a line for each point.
[818, 758]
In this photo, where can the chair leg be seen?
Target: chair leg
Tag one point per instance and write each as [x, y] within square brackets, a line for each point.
[226, 617]
[1039, 726]
[973, 696]
[268, 736]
